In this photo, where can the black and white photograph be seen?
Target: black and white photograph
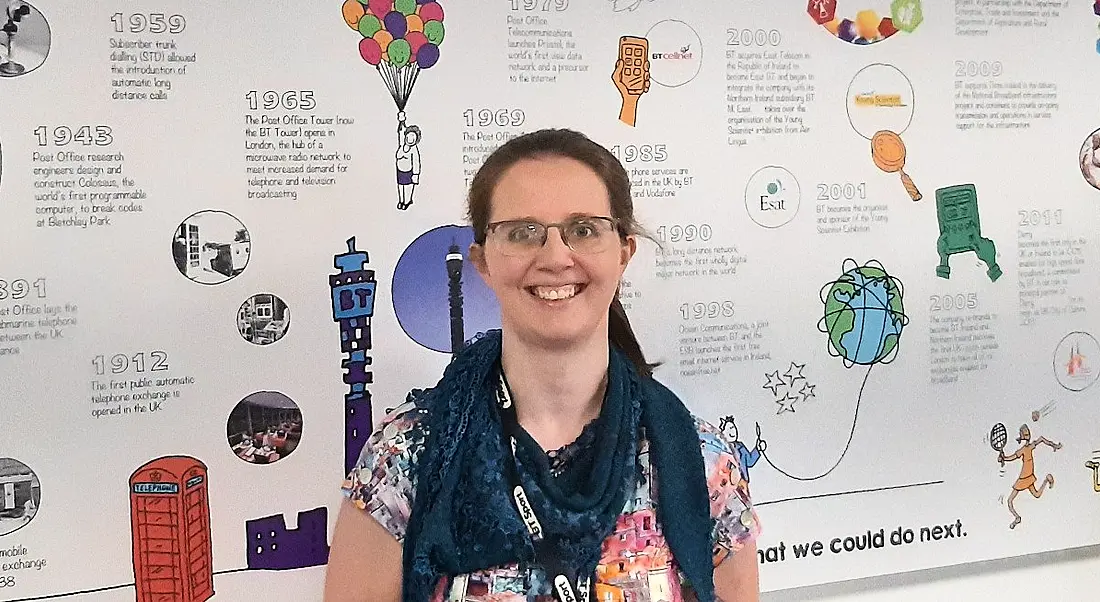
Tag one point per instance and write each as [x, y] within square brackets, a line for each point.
[20, 495]
[263, 319]
[211, 247]
[24, 37]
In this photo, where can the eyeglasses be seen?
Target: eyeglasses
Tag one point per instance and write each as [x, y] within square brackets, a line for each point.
[583, 234]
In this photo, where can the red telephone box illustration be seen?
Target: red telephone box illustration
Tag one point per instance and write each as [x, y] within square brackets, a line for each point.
[170, 527]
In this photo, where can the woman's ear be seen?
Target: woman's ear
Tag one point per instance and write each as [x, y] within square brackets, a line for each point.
[477, 257]
[627, 249]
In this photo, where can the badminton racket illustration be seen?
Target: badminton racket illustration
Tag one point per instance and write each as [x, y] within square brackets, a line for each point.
[998, 437]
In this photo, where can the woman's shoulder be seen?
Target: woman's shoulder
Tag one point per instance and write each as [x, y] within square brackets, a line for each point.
[711, 438]
[404, 428]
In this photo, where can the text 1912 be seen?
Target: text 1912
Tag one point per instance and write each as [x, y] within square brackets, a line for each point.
[154, 361]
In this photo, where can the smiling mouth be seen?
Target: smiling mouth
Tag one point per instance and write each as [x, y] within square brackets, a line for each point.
[556, 293]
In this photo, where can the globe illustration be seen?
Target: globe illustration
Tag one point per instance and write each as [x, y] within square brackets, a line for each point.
[864, 314]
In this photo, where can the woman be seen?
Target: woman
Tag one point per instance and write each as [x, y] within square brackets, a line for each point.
[454, 497]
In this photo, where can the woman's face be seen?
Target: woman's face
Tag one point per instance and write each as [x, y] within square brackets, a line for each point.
[553, 296]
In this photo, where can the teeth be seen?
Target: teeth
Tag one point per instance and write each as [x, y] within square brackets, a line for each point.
[553, 294]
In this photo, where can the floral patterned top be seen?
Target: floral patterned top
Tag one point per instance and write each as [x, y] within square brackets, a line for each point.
[636, 565]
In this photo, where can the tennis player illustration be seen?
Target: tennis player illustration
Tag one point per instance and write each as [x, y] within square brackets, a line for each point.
[746, 458]
[1026, 455]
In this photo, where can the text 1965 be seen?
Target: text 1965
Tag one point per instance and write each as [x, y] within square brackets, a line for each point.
[291, 100]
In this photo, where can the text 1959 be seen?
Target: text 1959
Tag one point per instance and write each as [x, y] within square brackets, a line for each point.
[151, 23]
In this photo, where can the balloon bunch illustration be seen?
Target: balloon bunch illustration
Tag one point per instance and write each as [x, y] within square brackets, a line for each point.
[400, 38]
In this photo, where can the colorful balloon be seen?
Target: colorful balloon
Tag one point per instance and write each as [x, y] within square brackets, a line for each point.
[380, 8]
[423, 1]
[353, 11]
[399, 53]
[405, 7]
[383, 38]
[427, 55]
[416, 39]
[434, 31]
[431, 11]
[413, 23]
[370, 50]
[395, 24]
[369, 25]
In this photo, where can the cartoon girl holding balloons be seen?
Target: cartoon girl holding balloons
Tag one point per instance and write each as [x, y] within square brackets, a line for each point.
[399, 37]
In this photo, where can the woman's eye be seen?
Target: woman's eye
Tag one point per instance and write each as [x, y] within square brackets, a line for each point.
[583, 230]
[521, 233]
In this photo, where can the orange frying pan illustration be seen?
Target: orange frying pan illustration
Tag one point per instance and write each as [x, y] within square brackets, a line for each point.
[888, 152]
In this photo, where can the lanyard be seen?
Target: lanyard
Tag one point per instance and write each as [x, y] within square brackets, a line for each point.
[545, 554]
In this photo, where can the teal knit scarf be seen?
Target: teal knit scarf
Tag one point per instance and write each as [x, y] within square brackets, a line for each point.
[462, 518]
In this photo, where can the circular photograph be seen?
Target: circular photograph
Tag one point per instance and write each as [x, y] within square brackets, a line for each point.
[772, 196]
[675, 53]
[1089, 159]
[263, 319]
[868, 21]
[880, 98]
[440, 300]
[1077, 361]
[25, 38]
[211, 247]
[20, 495]
[264, 427]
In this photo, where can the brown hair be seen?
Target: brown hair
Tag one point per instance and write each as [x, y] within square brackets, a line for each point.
[574, 145]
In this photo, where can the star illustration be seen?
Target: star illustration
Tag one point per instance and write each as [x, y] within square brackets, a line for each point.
[774, 382]
[794, 372]
[786, 404]
[807, 391]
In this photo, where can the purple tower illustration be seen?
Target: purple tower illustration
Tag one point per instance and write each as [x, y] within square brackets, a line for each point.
[454, 297]
[353, 291]
[271, 546]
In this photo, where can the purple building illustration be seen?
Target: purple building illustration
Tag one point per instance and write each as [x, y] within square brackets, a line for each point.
[353, 292]
[271, 546]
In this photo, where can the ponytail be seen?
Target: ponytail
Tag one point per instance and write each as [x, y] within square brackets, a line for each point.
[622, 336]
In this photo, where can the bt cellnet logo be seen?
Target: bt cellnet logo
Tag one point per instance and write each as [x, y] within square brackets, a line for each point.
[683, 54]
